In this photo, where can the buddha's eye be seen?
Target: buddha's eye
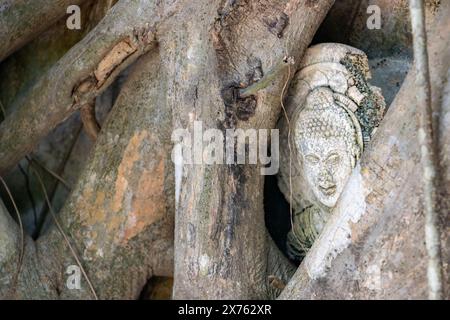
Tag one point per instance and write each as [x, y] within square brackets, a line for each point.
[333, 159]
[312, 159]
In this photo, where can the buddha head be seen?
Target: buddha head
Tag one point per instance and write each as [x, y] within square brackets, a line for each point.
[327, 142]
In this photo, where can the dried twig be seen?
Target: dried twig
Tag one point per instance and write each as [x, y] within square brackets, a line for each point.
[428, 150]
[51, 172]
[288, 123]
[267, 79]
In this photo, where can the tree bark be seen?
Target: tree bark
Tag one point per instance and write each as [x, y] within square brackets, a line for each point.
[17, 74]
[123, 222]
[21, 21]
[221, 247]
[119, 217]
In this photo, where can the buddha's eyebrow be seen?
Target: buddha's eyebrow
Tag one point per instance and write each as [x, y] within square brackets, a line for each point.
[332, 153]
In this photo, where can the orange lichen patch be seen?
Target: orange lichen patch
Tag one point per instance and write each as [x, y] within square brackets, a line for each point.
[97, 212]
[148, 204]
[114, 58]
[130, 156]
[137, 198]
[92, 204]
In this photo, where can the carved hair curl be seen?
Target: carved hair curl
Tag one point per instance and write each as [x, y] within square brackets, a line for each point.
[324, 117]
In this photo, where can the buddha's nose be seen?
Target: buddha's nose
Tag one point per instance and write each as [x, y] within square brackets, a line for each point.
[326, 178]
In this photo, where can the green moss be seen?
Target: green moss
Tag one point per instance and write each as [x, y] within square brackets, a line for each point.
[371, 109]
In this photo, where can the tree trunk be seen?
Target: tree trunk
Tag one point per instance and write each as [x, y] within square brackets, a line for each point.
[221, 248]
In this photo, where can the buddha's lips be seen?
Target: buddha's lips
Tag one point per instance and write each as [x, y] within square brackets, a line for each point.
[329, 190]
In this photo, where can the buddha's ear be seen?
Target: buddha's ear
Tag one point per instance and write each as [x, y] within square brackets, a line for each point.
[356, 155]
[347, 105]
[295, 147]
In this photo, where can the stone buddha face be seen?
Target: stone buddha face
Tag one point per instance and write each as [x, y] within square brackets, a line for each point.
[325, 138]
[326, 165]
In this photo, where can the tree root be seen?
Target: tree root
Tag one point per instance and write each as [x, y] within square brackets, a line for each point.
[90, 123]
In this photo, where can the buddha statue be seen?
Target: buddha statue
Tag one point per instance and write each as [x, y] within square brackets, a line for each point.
[333, 114]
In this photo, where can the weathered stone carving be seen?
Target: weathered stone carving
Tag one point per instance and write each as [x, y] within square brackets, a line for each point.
[333, 114]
